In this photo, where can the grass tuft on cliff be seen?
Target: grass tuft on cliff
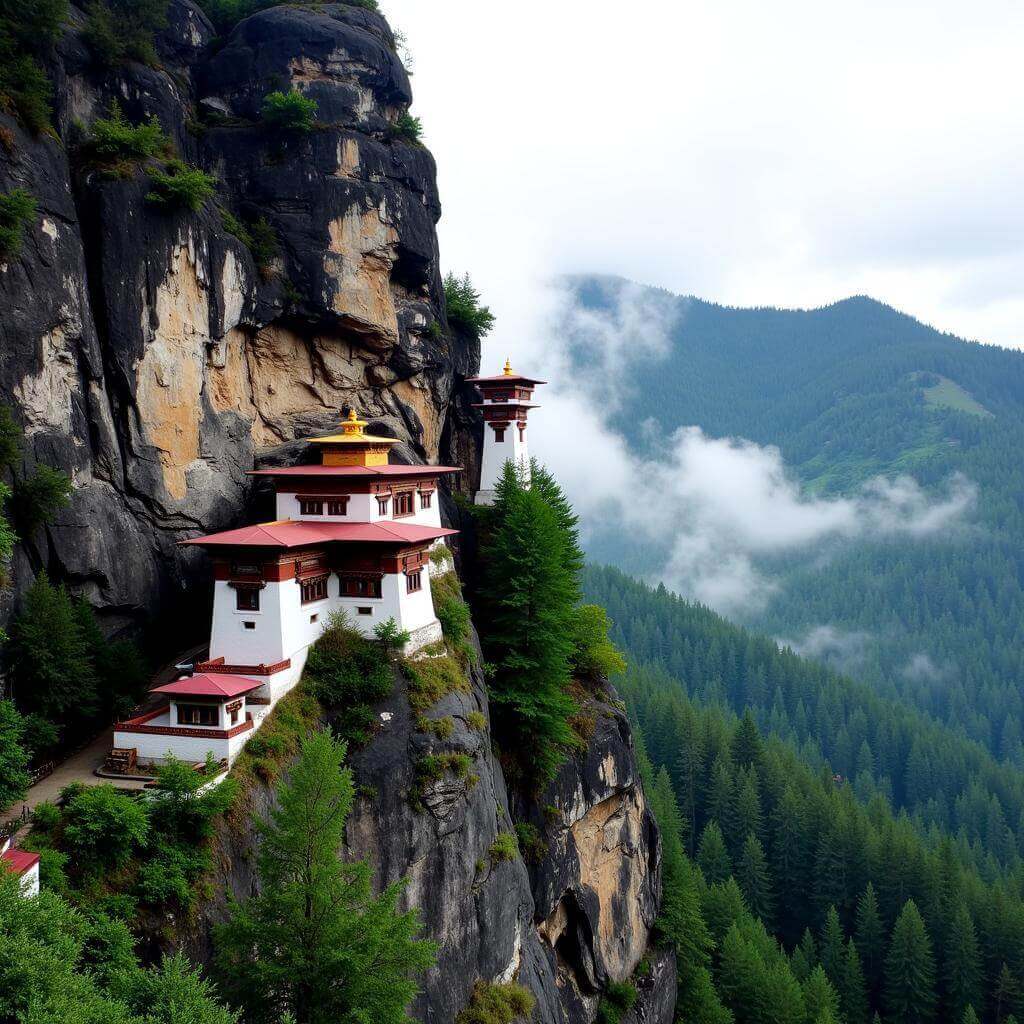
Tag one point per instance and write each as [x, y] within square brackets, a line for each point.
[492, 1003]
[17, 211]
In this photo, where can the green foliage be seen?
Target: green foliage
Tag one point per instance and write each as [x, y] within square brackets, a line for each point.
[259, 237]
[432, 768]
[123, 30]
[104, 827]
[442, 728]
[289, 112]
[594, 655]
[180, 186]
[619, 998]
[316, 943]
[492, 1003]
[17, 211]
[910, 969]
[27, 32]
[476, 721]
[530, 841]
[504, 848]
[390, 637]
[117, 146]
[39, 497]
[225, 14]
[14, 777]
[406, 128]
[348, 674]
[10, 439]
[527, 605]
[430, 679]
[452, 612]
[464, 309]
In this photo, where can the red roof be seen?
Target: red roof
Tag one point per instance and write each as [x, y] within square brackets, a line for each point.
[291, 533]
[356, 471]
[20, 861]
[504, 378]
[203, 685]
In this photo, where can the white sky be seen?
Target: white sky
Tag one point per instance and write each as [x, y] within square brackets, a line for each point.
[787, 154]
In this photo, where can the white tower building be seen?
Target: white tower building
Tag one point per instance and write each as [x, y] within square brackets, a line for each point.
[506, 405]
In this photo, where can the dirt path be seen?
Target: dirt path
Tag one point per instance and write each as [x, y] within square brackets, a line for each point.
[81, 767]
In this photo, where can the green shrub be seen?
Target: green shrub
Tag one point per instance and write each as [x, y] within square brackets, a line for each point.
[27, 31]
[38, 498]
[433, 768]
[476, 721]
[259, 237]
[104, 828]
[430, 679]
[594, 655]
[180, 185]
[619, 998]
[492, 1003]
[17, 210]
[117, 146]
[531, 842]
[348, 674]
[390, 637]
[505, 847]
[45, 817]
[289, 111]
[465, 312]
[406, 128]
[442, 728]
[122, 30]
[167, 877]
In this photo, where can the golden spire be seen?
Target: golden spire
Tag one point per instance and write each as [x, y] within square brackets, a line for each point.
[352, 425]
[508, 368]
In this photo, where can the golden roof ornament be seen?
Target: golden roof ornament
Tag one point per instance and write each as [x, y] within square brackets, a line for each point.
[508, 368]
[352, 426]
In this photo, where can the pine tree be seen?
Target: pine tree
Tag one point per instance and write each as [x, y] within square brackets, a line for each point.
[527, 617]
[14, 779]
[1006, 994]
[910, 969]
[316, 943]
[821, 1001]
[754, 880]
[853, 993]
[962, 975]
[747, 749]
[869, 936]
[832, 949]
[712, 855]
[805, 957]
[969, 1017]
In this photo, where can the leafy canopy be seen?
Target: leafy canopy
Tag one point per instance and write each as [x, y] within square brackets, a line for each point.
[465, 311]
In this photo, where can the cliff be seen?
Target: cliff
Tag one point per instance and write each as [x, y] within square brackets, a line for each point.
[147, 355]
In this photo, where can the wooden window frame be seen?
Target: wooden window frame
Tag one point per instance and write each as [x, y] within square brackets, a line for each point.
[308, 505]
[192, 714]
[247, 593]
[314, 589]
[361, 586]
[382, 504]
[499, 435]
[426, 499]
[404, 505]
[337, 506]
[414, 581]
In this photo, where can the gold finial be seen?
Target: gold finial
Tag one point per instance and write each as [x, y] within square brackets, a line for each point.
[508, 367]
[352, 425]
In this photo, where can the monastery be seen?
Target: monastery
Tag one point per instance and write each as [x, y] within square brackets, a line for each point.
[353, 534]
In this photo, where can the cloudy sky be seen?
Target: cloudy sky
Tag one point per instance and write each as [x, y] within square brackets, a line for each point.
[789, 154]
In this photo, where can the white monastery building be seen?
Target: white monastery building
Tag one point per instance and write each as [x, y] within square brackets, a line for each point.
[24, 864]
[505, 407]
[353, 534]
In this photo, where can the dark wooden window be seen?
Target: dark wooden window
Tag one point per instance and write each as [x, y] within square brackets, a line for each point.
[364, 611]
[197, 714]
[244, 569]
[234, 709]
[314, 590]
[337, 506]
[426, 499]
[499, 434]
[249, 625]
[382, 505]
[414, 581]
[403, 504]
[358, 586]
[311, 508]
[247, 599]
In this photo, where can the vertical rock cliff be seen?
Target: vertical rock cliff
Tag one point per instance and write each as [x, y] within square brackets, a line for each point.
[145, 353]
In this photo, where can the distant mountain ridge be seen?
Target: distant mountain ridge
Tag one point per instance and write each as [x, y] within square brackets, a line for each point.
[849, 392]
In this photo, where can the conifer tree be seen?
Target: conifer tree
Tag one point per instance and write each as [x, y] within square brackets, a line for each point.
[528, 604]
[805, 957]
[853, 993]
[712, 855]
[821, 1001]
[869, 936]
[755, 881]
[746, 743]
[962, 975]
[832, 949]
[910, 969]
[14, 779]
[316, 943]
[969, 1017]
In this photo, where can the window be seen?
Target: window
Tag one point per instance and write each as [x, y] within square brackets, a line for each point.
[499, 434]
[365, 611]
[234, 709]
[360, 586]
[426, 498]
[403, 504]
[247, 599]
[414, 581]
[249, 625]
[197, 714]
[314, 590]
[382, 505]
[313, 618]
[311, 508]
[337, 506]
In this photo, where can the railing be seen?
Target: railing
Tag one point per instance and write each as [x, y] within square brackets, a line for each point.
[40, 773]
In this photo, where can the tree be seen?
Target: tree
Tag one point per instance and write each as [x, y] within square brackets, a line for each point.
[14, 778]
[853, 993]
[712, 855]
[821, 1000]
[910, 969]
[464, 309]
[755, 881]
[529, 605]
[832, 947]
[104, 827]
[121, 30]
[39, 497]
[316, 943]
[289, 111]
[962, 974]
[746, 742]
[869, 937]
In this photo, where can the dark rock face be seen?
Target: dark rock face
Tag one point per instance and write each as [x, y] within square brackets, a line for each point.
[656, 992]
[148, 356]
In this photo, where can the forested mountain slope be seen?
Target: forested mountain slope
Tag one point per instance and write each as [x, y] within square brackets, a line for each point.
[846, 393]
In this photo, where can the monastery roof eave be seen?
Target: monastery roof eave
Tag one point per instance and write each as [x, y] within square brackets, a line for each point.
[357, 471]
[293, 533]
